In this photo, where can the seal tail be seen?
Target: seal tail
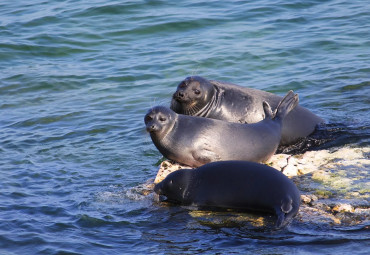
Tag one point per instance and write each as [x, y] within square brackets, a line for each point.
[287, 104]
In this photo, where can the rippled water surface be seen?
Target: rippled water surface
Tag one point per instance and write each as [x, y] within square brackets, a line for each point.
[76, 78]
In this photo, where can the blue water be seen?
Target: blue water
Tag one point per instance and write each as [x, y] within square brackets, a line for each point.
[77, 77]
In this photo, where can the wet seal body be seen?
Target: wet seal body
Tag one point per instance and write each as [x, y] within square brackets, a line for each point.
[198, 96]
[239, 185]
[195, 141]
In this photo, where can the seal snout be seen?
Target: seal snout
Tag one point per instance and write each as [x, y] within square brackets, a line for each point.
[151, 128]
[159, 192]
[157, 189]
[179, 95]
[150, 123]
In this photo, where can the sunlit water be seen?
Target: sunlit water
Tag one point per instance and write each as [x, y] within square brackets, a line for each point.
[77, 77]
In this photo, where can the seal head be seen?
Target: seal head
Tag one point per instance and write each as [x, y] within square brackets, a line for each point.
[192, 95]
[159, 121]
[175, 187]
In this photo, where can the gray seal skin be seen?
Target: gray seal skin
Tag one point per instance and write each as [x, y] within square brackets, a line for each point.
[198, 96]
[239, 185]
[195, 141]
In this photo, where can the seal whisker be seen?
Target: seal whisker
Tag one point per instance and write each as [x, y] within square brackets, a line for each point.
[195, 109]
[195, 72]
[152, 102]
[163, 102]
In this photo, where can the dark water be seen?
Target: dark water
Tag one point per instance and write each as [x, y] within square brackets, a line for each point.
[76, 78]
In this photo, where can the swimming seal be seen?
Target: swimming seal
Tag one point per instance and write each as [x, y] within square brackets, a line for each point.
[238, 185]
[195, 141]
[198, 96]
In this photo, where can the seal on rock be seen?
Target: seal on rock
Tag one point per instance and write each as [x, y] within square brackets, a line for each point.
[195, 141]
[198, 96]
[239, 185]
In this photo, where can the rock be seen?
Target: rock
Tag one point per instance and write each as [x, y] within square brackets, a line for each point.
[343, 208]
[167, 167]
[227, 219]
[317, 160]
[322, 177]
[315, 215]
[362, 211]
[308, 198]
[292, 168]
[278, 161]
[323, 193]
[308, 162]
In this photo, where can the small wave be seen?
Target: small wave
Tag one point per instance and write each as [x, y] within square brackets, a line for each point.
[138, 193]
[45, 120]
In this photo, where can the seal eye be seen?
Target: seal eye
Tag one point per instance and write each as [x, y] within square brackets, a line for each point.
[182, 85]
[196, 92]
[147, 119]
[162, 119]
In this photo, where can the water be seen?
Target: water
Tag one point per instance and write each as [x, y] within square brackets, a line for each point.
[77, 77]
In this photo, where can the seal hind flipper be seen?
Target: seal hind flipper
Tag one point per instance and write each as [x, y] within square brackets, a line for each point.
[280, 222]
[286, 205]
[205, 155]
[288, 103]
[267, 109]
[283, 211]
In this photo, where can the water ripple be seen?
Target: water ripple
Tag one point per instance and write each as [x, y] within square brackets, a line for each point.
[78, 76]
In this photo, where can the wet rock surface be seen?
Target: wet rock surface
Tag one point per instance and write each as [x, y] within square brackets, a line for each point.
[334, 184]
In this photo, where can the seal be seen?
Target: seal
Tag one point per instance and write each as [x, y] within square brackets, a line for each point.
[195, 141]
[198, 96]
[238, 185]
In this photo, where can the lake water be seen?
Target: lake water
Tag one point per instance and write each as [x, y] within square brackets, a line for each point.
[77, 77]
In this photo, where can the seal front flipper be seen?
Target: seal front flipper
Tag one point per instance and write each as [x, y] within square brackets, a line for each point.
[280, 222]
[269, 114]
[204, 156]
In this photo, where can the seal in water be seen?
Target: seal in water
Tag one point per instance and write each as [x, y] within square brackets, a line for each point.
[198, 96]
[239, 185]
[195, 141]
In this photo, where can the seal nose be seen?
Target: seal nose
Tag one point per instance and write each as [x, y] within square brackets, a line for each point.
[150, 128]
[157, 188]
[179, 94]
